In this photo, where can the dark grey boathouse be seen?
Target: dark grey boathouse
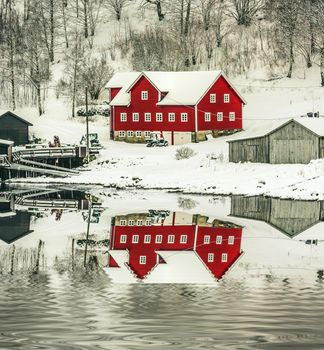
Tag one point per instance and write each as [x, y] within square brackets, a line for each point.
[14, 128]
[296, 141]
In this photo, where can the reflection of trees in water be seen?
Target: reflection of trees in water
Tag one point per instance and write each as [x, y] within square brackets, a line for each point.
[17, 259]
[186, 203]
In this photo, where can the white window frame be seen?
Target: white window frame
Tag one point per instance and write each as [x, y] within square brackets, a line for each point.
[148, 222]
[171, 238]
[135, 239]
[135, 117]
[220, 116]
[130, 133]
[138, 133]
[212, 98]
[158, 239]
[171, 117]
[144, 95]
[159, 117]
[139, 222]
[123, 117]
[131, 222]
[123, 222]
[226, 98]
[147, 134]
[219, 239]
[231, 240]
[123, 239]
[147, 117]
[183, 239]
[147, 239]
[184, 117]
[142, 259]
[231, 116]
[206, 239]
[210, 257]
[121, 133]
[224, 257]
[207, 117]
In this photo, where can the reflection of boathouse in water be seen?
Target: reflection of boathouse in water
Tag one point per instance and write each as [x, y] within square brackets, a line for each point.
[291, 217]
[14, 225]
[171, 247]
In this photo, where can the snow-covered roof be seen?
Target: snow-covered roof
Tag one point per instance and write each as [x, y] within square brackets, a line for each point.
[260, 128]
[182, 88]
[181, 267]
[6, 142]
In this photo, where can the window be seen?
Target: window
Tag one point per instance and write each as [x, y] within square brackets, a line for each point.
[122, 133]
[219, 116]
[206, 239]
[147, 117]
[183, 239]
[142, 260]
[212, 98]
[130, 133]
[158, 239]
[135, 239]
[122, 222]
[219, 239]
[231, 240]
[135, 117]
[224, 257]
[138, 133]
[148, 222]
[171, 239]
[210, 257]
[147, 239]
[123, 239]
[131, 222]
[147, 134]
[207, 116]
[171, 117]
[144, 95]
[184, 117]
[123, 117]
[159, 117]
[139, 222]
[231, 116]
[226, 98]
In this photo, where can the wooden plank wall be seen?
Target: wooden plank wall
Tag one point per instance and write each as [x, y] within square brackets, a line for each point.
[252, 150]
[293, 144]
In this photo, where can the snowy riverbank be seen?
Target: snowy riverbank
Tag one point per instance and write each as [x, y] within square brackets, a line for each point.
[125, 165]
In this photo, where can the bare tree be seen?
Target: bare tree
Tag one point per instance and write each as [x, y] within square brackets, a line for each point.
[319, 37]
[158, 7]
[245, 11]
[285, 15]
[95, 74]
[116, 7]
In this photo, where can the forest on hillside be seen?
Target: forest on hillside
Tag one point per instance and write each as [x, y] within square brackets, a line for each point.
[234, 35]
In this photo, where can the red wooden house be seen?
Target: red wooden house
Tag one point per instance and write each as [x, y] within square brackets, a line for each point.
[181, 106]
[178, 247]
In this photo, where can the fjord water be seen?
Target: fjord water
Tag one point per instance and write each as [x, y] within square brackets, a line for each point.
[271, 298]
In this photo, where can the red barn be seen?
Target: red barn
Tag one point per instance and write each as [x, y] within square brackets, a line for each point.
[177, 247]
[182, 106]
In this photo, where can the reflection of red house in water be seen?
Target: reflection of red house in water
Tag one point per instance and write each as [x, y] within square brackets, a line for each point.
[145, 243]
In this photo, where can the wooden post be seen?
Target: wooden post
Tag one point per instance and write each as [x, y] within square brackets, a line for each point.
[87, 122]
[73, 241]
[87, 237]
[40, 243]
[12, 259]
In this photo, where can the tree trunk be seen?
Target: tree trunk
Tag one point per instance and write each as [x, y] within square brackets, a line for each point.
[159, 10]
[322, 65]
[187, 19]
[51, 52]
[86, 32]
[64, 4]
[12, 63]
[291, 57]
